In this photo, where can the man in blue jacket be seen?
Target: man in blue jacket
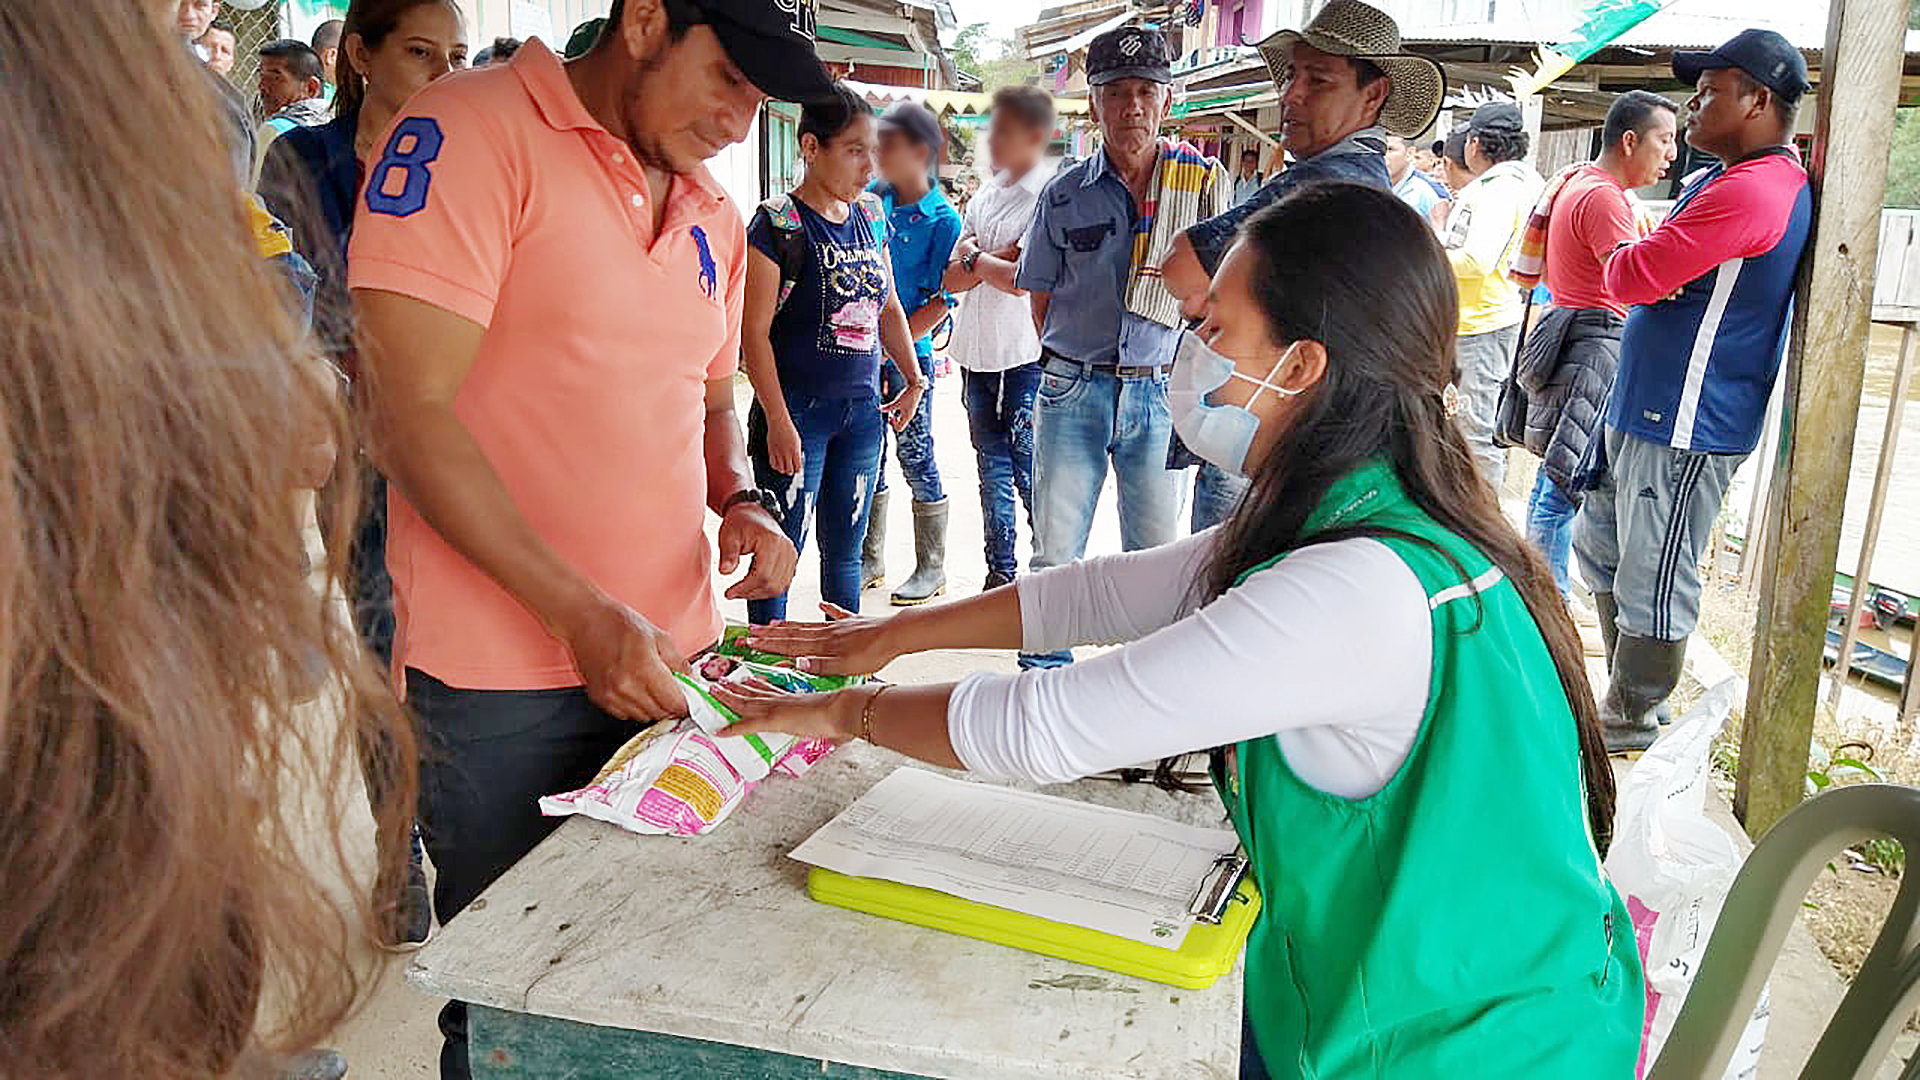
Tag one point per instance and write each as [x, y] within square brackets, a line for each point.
[1712, 291]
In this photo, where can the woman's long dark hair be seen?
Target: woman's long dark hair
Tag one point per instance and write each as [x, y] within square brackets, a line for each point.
[1357, 270]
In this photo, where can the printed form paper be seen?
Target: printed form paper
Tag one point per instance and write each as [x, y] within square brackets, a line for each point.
[1122, 873]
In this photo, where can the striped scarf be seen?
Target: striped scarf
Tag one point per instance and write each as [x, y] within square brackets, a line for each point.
[1529, 262]
[1188, 187]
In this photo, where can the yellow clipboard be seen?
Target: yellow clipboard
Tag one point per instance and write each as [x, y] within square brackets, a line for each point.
[1209, 951]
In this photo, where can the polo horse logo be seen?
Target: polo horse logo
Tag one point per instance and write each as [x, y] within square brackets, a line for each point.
[709, 273]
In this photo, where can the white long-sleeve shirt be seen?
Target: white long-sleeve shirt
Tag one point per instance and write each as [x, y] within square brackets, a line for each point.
[1329, 651]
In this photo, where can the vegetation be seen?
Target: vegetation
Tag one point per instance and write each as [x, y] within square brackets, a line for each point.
[1903, 160]
[1903, 152]
[997, 62]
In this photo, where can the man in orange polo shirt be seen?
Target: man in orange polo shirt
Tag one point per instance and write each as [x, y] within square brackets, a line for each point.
[550, 286]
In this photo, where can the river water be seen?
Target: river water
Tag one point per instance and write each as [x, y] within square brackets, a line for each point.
[1896, 558]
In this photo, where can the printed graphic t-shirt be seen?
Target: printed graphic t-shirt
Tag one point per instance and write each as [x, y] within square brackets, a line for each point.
[826, 337]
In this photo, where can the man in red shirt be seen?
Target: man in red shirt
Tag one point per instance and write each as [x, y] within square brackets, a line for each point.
[1570, 357]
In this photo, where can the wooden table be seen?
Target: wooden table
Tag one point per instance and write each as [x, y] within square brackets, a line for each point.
[606, 955]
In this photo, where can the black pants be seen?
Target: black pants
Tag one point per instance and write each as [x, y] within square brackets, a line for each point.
[489, 756]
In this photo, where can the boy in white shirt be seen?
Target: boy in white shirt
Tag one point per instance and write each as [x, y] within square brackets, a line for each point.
[994, 340]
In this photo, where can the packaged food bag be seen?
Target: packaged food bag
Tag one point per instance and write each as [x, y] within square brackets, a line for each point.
[733, 643]
[1673, 866]
[683, 777]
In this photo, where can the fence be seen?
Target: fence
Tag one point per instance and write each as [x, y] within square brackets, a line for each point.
[251, 30]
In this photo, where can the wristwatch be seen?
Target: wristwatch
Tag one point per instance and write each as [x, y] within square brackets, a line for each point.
[968, 260]
[757, 496]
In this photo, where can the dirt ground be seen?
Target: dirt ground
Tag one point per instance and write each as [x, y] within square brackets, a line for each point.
[1850, 899]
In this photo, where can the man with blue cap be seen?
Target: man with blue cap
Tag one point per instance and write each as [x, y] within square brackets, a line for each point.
[1712, 292]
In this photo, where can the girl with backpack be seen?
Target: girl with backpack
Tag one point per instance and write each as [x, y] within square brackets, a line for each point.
[820, 312]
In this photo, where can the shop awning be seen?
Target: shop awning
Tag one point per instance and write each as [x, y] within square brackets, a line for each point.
[1226, 98]
[1082, 39]
[950, 102]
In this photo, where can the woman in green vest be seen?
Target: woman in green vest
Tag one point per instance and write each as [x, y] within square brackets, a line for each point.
[1406, 742]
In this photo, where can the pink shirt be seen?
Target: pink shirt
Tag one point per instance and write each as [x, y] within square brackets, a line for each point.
[1590, 217]
[498, 198]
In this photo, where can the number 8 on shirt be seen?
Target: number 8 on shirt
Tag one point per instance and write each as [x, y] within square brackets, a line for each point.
[414, 144]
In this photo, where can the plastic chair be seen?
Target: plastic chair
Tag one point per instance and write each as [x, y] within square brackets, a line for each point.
[1765, 898]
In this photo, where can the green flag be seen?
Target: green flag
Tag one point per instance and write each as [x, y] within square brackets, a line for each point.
[1601, 25]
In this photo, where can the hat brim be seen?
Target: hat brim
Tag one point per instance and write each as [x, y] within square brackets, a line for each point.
[1689, 66]
[1158, 73]
[1418, 85]
[782, 67]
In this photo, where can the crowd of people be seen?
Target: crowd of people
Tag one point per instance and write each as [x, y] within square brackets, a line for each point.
[1323, 362]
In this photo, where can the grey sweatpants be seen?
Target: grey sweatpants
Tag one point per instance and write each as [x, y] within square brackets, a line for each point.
[1484, 360]
[1641, 533]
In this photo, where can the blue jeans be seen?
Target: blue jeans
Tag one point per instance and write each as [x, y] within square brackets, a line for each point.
[1084, 418]
[1000, 420]
[840, 443]
[1215, 494]
[1550, 527]
[915, 441]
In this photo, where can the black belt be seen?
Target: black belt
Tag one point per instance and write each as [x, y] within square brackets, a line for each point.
[1119, 371]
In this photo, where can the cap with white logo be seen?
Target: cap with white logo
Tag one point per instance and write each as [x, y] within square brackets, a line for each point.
[1131, 52]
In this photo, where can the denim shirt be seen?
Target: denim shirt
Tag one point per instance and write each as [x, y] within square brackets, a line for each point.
[1360, 158]
[1080, 249]
[921, 236]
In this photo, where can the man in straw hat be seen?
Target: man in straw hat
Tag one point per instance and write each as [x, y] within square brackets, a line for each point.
[1345, 85]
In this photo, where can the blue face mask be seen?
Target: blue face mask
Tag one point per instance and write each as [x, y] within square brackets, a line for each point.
[1221, 434]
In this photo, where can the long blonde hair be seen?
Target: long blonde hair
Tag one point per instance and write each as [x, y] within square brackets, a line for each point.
[160, 783]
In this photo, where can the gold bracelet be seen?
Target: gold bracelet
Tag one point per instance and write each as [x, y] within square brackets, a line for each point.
[866, 714]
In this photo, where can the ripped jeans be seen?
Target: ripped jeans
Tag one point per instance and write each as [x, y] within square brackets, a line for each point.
[840, 443]
[1000, 418]
[915, 441]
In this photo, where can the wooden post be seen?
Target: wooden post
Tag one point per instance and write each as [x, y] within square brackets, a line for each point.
[1882, 475]
[1910, 689]
[1754, 545]
[1859, 87]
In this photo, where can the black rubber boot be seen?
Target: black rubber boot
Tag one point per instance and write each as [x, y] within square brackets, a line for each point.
[1608, 613]
[873, 550]
[1645, 671]
[995, 579]
[930, 550]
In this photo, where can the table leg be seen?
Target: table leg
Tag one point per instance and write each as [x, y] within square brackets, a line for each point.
[520, 1046]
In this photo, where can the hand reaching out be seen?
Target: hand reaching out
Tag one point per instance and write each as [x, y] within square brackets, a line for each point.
[846, 644]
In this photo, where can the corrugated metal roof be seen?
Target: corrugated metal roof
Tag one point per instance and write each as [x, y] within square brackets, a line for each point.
[1679, 27]
[1082, 39]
